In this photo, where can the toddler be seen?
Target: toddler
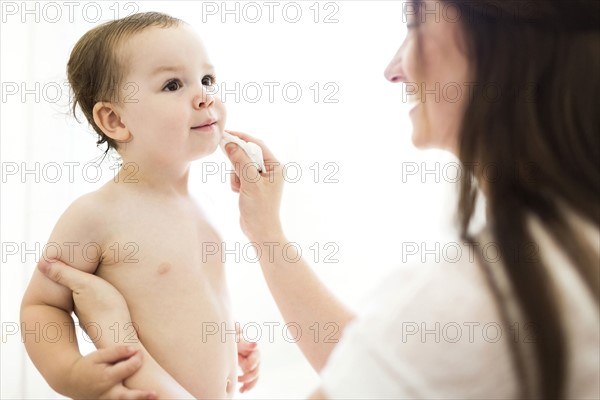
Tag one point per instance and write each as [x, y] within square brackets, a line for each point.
[143, 83]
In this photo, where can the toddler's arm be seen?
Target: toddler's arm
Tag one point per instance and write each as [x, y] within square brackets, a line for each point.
[77, 240]
[94, 296]
[47, 306]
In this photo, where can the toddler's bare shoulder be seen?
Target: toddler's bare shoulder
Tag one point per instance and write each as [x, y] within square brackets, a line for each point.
[85, 217]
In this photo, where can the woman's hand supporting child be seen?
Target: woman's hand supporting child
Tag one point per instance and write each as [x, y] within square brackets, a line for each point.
[113, 364]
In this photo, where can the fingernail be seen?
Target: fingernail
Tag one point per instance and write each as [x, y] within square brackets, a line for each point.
[231, 148]
[44, 266]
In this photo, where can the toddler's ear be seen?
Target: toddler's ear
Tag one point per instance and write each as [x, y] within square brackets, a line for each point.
[108, 120]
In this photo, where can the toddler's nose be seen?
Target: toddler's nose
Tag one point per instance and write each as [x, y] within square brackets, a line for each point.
[203, 100]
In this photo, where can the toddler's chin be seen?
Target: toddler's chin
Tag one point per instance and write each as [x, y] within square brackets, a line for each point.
[208, 150]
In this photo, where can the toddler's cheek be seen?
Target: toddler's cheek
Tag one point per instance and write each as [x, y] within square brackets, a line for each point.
[221, 112]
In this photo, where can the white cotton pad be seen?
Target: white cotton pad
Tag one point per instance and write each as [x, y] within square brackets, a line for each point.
[252, 149]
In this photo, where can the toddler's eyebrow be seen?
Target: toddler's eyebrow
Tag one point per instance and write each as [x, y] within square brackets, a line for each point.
[176, 68]
[166, 68]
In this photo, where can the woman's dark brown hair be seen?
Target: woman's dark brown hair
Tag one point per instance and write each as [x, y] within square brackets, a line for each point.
[542, 136]
[96, 69]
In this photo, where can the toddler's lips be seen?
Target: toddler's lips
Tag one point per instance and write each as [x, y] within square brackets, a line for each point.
[205, 127]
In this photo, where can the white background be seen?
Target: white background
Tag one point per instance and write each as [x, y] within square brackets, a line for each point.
[370, 213]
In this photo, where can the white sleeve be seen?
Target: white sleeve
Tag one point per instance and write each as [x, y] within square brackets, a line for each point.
[433, 335]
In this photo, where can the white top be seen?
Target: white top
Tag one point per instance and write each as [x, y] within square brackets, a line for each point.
[433, 331]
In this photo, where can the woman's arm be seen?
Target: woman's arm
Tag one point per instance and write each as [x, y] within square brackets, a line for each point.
[55, 353]
[300, 295]
[94, 296]
[303, 299]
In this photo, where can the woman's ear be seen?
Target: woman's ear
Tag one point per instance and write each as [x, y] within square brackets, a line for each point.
[108, 120]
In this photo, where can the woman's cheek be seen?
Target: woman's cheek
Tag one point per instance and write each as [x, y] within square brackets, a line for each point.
[409, 61]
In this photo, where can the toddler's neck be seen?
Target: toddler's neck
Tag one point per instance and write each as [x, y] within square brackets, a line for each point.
[166, 180]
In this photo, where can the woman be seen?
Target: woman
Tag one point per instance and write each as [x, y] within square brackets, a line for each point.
[525, 75]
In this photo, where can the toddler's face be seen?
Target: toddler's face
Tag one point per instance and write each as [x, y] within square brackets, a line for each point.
[168, 108]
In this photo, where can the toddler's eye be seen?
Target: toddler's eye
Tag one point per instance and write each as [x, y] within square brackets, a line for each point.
[172, 85]
[209, 80]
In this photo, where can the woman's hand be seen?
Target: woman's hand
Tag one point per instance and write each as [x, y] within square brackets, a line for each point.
[260, 194]
[101, 309]
[100, 374]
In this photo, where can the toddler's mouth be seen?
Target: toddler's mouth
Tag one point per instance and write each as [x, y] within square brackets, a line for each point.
[208, 125]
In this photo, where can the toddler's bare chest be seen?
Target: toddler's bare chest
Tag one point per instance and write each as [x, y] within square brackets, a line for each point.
[169, 247]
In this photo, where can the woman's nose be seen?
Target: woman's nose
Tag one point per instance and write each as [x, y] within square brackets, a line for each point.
[394, 72]
[204, 99]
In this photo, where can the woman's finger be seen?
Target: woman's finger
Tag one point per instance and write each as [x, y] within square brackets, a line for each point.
[235, 182]
[238, 157]
[63, 274]
[114, 354]
[268, 156]
[124, 369]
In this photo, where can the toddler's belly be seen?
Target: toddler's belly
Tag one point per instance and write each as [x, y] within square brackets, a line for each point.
[186, 325]
[189, 344]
